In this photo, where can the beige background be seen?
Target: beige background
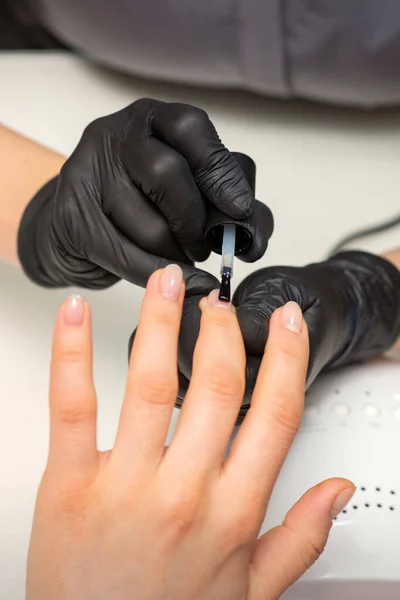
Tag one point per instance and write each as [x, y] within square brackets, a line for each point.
[323, 172]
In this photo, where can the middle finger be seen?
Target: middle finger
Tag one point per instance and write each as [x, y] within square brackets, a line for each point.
[216, 390]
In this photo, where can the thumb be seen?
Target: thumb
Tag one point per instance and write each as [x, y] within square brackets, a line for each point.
[285, 553]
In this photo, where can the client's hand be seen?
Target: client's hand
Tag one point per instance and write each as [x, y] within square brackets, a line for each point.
[180, 523]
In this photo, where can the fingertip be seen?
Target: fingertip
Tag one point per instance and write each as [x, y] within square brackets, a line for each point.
[72, 334]
[73, 311]
[344, 494]
[170, 282]
[328, 498]
[167, 282]
[288, 329]
[328, 487]
[73, 323]
[218, 322]
[153, 281]
[290, 317]
[213, 301]
[242, 205]
[341, 482]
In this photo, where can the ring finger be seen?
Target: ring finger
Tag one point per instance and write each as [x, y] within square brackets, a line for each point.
[276, 409]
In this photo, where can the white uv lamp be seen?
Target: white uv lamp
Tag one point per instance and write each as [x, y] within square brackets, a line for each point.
[351, 428]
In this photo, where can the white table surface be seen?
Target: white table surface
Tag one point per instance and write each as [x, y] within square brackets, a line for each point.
[323, 172]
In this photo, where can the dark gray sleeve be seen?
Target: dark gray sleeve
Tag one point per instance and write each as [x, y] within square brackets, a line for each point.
[343, 51]
[336, 51]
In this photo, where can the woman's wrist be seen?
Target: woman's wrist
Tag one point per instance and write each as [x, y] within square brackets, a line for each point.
[25, 167]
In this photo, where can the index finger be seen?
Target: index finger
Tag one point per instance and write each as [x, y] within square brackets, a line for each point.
[276, 410]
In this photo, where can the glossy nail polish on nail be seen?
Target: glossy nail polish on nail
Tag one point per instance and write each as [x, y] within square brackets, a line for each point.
[74, 311]
[292, 317]
[170, 283]
[213, 300]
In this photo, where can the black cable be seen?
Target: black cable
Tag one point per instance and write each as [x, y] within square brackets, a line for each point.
[364, 233]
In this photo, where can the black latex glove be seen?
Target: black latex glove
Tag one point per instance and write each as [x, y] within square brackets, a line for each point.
[133, 196]
[351, 304]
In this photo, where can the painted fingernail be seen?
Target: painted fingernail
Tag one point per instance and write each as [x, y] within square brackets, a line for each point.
[292, 317]
[214, 301]
[171, 282]
[74, 311]
[342, 501]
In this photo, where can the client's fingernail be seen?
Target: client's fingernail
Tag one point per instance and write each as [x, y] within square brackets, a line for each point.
[292, 317]
[342, 501]
[74, 310]
[213, 300]
[171, 282]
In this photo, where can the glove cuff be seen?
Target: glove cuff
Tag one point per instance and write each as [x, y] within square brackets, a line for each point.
[34, 247]
[374, 295]
[44, 260]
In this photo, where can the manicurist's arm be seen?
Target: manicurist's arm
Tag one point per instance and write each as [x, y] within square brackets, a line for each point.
[25, 167]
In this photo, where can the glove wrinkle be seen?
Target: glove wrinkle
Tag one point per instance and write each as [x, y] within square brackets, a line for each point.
[351, 304]
[133, 196]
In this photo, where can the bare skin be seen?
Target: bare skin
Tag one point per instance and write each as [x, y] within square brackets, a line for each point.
[147, 522]
[25, 167]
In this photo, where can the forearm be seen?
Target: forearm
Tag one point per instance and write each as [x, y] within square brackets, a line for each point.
[25, 167]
